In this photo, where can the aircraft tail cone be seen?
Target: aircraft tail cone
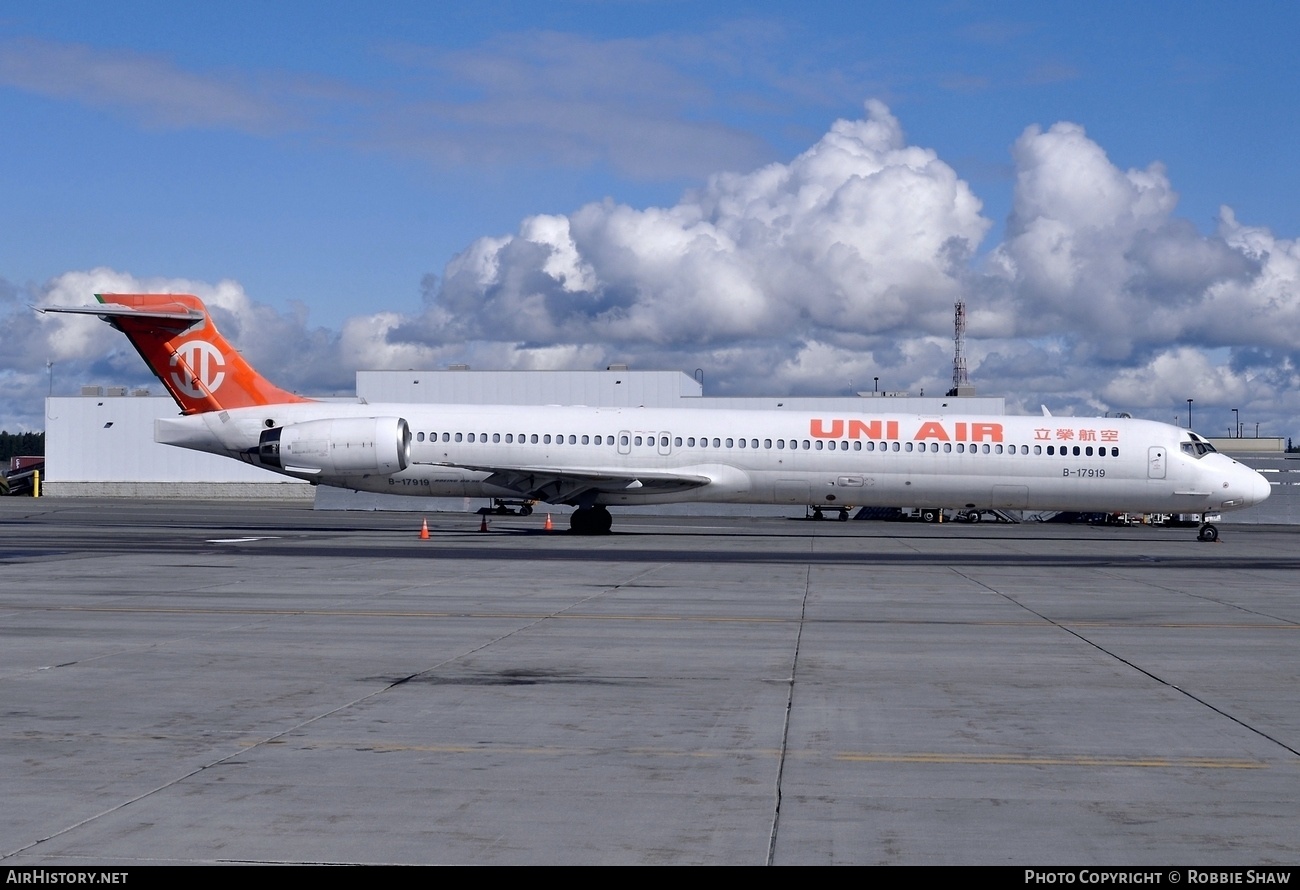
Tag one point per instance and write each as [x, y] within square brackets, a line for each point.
[482, 526]
[424, 530]
[549, 526]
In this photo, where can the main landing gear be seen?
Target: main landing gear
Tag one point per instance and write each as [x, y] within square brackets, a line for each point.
[1208, 533]
[590, 521]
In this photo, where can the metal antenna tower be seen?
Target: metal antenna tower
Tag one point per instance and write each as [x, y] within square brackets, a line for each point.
[960, 381]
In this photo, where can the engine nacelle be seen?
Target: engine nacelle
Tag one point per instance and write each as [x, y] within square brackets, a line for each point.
[344, 446]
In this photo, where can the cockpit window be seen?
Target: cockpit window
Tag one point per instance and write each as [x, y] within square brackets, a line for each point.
[1197, 449]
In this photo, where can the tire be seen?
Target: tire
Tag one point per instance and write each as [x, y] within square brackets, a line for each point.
[590, 521]
[930, 516]
[1208, 533]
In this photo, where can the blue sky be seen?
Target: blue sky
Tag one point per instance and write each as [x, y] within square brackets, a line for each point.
[332, 168]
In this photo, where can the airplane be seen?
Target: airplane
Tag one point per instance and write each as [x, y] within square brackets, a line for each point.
[596, 458]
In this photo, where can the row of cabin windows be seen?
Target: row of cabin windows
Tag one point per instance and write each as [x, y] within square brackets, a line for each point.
[524, 438]
[779, 444]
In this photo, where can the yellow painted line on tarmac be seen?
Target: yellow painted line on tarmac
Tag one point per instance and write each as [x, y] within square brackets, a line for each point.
[921, 758]
[395, 613]
[1026, 760]
[1033, 623]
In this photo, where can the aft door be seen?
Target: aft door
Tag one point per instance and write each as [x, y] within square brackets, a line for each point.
[791, 491]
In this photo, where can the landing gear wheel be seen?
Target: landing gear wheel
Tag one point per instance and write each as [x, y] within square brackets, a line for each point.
[973, 517]
[817, 514]
[1208, 533]
[930, 516]
[525, 510]
[844, 514]
[590, 521]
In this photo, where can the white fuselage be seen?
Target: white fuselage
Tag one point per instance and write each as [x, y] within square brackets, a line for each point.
[765, 457]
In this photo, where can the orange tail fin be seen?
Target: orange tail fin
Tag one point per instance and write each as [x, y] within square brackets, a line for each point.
[179, 341]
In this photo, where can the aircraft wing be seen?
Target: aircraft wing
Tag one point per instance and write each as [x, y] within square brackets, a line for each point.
[566, 485]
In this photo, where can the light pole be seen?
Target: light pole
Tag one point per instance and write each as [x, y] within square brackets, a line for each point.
[1189, 414]
[1236, 417]
[876, 388]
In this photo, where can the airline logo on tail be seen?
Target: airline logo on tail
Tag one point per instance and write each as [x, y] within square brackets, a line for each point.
[205, 368]
[177, 338]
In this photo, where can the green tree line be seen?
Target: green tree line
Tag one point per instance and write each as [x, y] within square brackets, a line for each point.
[17, 444]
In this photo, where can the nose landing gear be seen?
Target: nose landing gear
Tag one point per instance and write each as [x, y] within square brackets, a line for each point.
[1208, 533]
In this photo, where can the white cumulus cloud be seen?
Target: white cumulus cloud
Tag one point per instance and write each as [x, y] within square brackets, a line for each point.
[859, 236]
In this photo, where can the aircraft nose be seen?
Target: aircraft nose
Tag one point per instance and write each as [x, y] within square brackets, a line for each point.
[1257, 487]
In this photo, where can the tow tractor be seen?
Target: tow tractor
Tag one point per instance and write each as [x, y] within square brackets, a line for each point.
[508, 507]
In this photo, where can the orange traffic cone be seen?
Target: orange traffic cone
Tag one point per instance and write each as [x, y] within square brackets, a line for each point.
[548, 527]
[424, 530]
[482, 526]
